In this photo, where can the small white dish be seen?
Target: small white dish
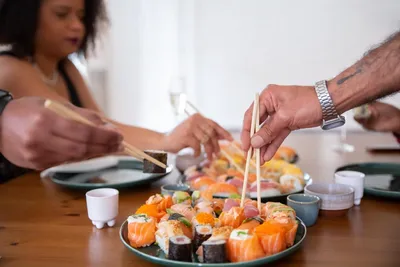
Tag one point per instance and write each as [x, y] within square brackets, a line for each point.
[354, 179]
[102, 206]
[334, 197]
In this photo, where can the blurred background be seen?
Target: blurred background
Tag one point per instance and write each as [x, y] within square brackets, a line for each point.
[218, 53]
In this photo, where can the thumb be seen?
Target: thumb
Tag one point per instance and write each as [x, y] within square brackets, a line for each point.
[272, 127]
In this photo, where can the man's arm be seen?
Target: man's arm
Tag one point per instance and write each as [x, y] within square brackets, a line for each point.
[374, 76]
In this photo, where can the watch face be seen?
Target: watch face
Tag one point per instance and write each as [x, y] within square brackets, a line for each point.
[334, 123]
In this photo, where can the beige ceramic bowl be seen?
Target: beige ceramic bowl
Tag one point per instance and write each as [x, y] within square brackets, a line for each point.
[336, 199]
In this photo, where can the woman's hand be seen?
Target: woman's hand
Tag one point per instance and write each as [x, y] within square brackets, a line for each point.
[194, 132]
[384, 118]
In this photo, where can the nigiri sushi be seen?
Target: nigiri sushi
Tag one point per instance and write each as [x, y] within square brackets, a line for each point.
[205, 207]
[291, 183]
[243, 246]
[202, 183]
[268, 188]
[165, 231]
[219, 189]
[141, 230]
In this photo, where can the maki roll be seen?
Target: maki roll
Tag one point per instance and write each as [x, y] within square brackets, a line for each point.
[201, 234]
[150, 167]
[165, 231]
[214, 251]
[180, 248]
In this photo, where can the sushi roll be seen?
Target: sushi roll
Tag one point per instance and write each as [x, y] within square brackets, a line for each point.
[150, 167]
[141, 230]
[185, 224]
[163, 202]
[180, 248]
[181, 197]
[165, 231]
[243, 246]
[184, 209]
[202, 233]
[214, 251]
[202, 183]
[250, 224]
[203, 218]
[272, 237]
[291, 183]
[234, 217]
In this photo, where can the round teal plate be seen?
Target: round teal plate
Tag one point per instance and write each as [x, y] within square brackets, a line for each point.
[126, 174]
[155, 255]
[381, 179]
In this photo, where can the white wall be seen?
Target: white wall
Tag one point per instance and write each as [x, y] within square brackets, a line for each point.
[229, 49]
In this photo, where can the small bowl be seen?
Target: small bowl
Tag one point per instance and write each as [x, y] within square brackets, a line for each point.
[186, 159]
[170, 189]
[336, 199]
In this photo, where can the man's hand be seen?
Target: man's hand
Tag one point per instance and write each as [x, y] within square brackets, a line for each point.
[384, 118]
[282, 110]
[37, 138]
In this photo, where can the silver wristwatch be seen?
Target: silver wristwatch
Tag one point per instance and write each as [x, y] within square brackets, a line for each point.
[330, 118]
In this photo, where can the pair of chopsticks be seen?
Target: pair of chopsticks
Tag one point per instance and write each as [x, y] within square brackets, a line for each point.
[255, 126]
[70, 114]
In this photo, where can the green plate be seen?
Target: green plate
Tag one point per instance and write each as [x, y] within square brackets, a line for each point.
[126, 174]
[155, 255]
[381, 179]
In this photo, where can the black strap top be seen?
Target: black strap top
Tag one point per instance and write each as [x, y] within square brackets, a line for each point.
[7, 169]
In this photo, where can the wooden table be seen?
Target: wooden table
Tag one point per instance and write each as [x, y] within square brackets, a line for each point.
[44, 225]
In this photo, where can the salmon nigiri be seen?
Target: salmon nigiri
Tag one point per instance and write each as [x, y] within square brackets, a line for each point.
[243, 246]
[272, 237]
[141, 230]
[219, 189]
[202, 183]
[234, 217]
[163, 202]
[151, 210]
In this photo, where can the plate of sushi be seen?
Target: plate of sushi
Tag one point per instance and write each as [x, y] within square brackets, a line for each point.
[107, 171]
[224, 175]
[188, 230]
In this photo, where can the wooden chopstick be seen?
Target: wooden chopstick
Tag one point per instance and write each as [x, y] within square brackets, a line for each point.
[249, 152]
[129, 149]
[232, 161]
[258, 156]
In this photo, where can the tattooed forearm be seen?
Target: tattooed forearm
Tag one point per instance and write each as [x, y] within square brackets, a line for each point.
[342, 80]
[375, 75]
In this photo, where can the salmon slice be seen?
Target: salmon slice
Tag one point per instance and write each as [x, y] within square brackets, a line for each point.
[141, 230]
[184, 209]
[202, 183]
[272, 237]
[163, 202]
[249, 225]
[243, 246]
[151, 210]
[218, 188]
[234, 217]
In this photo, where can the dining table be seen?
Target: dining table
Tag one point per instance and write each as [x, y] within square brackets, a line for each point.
[43, 224]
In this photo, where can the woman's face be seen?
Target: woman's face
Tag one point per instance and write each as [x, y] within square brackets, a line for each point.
[60, 27]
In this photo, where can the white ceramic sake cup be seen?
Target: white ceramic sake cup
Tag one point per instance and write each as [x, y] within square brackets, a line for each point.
[354, 179]
[102, 206]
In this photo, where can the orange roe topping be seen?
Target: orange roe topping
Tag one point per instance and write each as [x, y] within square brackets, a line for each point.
[205, 218]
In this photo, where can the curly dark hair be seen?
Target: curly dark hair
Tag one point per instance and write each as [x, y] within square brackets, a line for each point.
[19, 20]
